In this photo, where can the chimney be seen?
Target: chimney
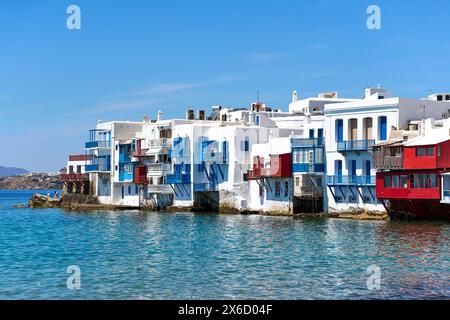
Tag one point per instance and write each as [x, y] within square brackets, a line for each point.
[159, 116]
[201, 114]
[294, 96]
[190, 114]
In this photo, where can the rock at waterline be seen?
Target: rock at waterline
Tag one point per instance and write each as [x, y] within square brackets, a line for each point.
[40, 201]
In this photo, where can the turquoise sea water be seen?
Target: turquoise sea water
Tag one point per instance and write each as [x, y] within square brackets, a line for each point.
[136, 255]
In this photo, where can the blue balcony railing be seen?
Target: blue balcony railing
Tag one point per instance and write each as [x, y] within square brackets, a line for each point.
[178, 178]
[307, 143]
[98, 144]
[306, 167]
[97, 168]
[351, 180]
[355, 145]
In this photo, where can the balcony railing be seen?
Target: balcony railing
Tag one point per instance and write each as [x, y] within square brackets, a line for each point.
[306, 167]
[160, 143]
[351, 180]
[178, 178]
[81, 157]
[254, 174]
[159, 188]
[74, 177]
[308, 192]
[159, 167]
[97, 168]
[139, 153]
[98, 144]
[383, 162]
[355, 145]
[308, 143]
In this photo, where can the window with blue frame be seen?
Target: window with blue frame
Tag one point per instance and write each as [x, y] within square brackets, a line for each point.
[257, 120]
[311, 133]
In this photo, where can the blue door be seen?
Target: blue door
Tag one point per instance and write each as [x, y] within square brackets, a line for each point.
[340, 130]
[339, 171]
[320, 136]
[123, 192]
[368, 169]
[311, 133]
[353, 171]
[383, 128]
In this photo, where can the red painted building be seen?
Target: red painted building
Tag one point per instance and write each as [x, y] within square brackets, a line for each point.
[410, 179]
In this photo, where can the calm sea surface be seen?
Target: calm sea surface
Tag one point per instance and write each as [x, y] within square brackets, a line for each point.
[133, 255]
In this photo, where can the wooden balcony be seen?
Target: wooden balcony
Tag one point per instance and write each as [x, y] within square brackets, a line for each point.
[74, 177]
[383, 162]
[81, 157]
[140, 175]
[139, 153]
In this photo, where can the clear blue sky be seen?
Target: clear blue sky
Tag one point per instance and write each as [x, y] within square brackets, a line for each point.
[133, 58]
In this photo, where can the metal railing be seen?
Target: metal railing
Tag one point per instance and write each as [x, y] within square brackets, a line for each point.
[98, 144]
[159, 167]
[160, 143]
[355, 145]
[97, 168]
[307, 142]
[178, 178]
[351, 180]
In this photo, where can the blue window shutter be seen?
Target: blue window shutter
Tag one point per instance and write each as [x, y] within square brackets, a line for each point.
[383, 128]
[320, 133]
[340, 130]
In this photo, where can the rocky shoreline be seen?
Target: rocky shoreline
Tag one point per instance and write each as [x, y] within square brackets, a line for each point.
[83, 203]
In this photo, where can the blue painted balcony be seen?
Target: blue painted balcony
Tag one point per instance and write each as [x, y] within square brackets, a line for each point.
[308, 143]
[98, 145]
[92, 168]
[355, 145]
[126, 171]
[99, 164]
[358, 181]
[178, 178]
[308, 168]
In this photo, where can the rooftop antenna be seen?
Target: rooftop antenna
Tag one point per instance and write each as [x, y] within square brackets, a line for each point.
[257, 95]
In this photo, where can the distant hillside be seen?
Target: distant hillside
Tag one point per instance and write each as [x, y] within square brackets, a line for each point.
[31, 181]
[7, 172]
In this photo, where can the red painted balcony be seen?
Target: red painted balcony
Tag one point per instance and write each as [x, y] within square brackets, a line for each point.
[74, 177]
[140, 175]
[280, 167]
[81, 157]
